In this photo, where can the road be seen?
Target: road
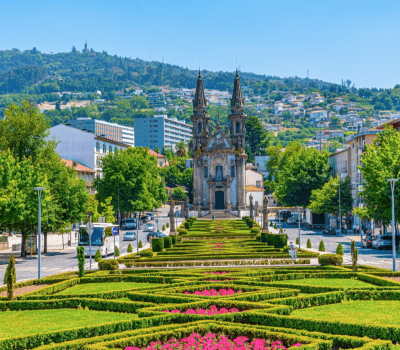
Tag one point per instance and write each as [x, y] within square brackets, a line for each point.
[366, 256]
[59, 260]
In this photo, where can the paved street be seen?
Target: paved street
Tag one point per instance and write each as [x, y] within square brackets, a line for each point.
[58, 260]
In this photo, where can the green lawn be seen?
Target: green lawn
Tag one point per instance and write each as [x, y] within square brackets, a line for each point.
[20, 323]
[106, 287]
[329, 282]
[378, 312]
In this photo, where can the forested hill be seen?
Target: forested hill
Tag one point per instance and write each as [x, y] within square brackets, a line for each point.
[37, 73]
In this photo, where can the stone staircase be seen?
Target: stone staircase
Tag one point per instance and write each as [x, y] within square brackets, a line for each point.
[219, 215]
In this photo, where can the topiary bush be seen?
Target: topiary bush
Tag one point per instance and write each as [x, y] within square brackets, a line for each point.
[167, 242]
[255, 230]
[116, 251]
[339, 249]
[167, 224]
[147, 253]
[129, 250]
[140, 244]
[330, 259]
[110, 264]
[258, 237]
[281, 230]
[297, 240]
[163, 227]
[263, 237]
[81, 260]
[157, 244]
[10, 277]
[276, 240]
[97, 256]
[321, 247]
[174, 239]
[186, 224]
[354, 256]
[183, 231]
[286, 249]
[275, 226]
[309, 245]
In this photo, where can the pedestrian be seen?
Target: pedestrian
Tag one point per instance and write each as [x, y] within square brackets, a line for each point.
[345, 228]
[358, 229]
[293, 251]
[354, 228]
[213, 217]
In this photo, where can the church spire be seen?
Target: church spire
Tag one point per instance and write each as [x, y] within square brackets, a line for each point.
[237, 101]
[199, 101]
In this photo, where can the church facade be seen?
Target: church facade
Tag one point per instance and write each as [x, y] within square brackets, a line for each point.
[219, 161]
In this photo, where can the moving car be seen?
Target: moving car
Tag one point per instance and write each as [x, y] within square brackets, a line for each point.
[367, 242]
[130, 224]
[155, 235]
[382, 242]
[130, 236]
[282, 215]
[149, 228]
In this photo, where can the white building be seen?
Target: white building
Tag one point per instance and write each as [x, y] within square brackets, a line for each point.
[83, 147]
[254, 187]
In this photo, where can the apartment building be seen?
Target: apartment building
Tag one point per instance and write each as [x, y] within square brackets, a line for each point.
[83, 172]
[160, 131]
[112, 131]
[83, 147]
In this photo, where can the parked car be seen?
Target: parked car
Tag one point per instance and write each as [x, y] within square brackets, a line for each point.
[149, 228]
[130, 224]
[151, 215]
[367, 242]
[130, 236]
[382, 242]
[291, 221]
[155, 235]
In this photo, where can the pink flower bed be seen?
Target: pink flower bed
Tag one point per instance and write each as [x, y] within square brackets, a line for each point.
[213, 342]
[217, 243]
[218, 280]
[214, 292]
[217, 273]
[213, 310]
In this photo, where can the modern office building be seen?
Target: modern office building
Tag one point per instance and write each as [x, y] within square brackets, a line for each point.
[83, 147]
[160, 131]
[108, 130]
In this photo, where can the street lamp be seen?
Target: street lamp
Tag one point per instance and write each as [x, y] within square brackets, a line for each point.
[119, 214]
[392, 183]
[340, 210]
[39, 189]
[89, 227]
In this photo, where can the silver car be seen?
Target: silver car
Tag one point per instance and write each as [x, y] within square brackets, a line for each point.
[130, 236]
[382, 242]
[149, 228]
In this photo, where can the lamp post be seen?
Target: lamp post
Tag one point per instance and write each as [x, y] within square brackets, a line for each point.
[119, 214]
[392, 183]
[89, 227]
[39, 189]
[340, 210]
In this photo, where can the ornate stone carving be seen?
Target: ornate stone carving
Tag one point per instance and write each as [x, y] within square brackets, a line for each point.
[172, 217]
[265, 214]
[251, 207]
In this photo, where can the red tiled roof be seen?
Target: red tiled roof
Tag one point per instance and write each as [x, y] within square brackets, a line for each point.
[153, 153]
[254, 189]
[78, 166]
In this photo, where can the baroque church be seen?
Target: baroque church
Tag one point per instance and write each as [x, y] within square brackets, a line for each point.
[219, 161]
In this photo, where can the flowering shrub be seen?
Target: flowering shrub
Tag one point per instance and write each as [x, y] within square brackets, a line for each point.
[219, 280]
[218, 243]
[215, 342]
[214, 292]
[213, 310]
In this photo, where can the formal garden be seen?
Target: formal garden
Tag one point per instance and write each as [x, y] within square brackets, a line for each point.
[140, 302]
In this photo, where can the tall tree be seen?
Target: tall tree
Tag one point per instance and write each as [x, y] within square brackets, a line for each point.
[257, 139]
[301, 173]
[107, 210]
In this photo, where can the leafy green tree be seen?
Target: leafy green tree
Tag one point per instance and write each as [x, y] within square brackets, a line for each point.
[136, 171]
[180, 149]
[256, 137]
[107, 210]
[326, 199]
[93, 207]
[301, 173]
[381, 161]
[10, 277]
[178, 193]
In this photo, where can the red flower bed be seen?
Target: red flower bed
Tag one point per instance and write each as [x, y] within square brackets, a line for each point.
[213, 310]
[214, 292]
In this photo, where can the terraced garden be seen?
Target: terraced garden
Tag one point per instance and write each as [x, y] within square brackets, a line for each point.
[230, 307]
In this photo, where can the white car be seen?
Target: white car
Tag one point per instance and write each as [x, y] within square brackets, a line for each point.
[382, 242]
[149, 228]
[130, 236]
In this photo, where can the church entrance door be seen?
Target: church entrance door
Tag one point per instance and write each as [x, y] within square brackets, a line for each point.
[219, 200]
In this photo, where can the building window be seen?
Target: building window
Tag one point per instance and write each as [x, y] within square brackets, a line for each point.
[237, 127]
[104, 148]
[258, 184]
[97, 146]
[110, 149]
[205, 172]
[232, 171]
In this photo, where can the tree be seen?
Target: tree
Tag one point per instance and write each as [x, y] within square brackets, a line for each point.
[354, 256]
[73, 50]
[181, 149]
[178, 193]
[97, 256]
[129, 250]
[335, 121]
[168, 154]
[93, 207]
[339, 249]
[326, 199]
[10, 277]
[321, 247]
[381, 161]
[107, 210]
[301, 173]
[156, 149]
[135, 170]
[309, 244]
[81, 260]
[256, 137]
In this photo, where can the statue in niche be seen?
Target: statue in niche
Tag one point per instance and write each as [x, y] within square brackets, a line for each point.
[218, 173]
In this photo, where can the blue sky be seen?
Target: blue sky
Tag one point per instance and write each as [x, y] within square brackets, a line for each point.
[333, 39]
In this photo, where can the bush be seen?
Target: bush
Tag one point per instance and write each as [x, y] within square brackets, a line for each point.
[129, 250]
[297, 240]
[116, 251]
[108, 264]
[81, 260]
[140, 244]
[258, 238]
[147, 253]
[281, 230]
[186, 224]
[163, 227]
[264, 238]
[354, 256]
[286, 249]
[330, 259]
[167, 224]
[275, 226]
[167, 242]
[309, 245]
[255, 230]
[183, 231]
[339, 249]
[321, 246]
[97, 256]
[10, 277]
[174, 239]
[158, 244]
[276, 240]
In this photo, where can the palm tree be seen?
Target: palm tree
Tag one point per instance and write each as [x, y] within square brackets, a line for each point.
[181, 149]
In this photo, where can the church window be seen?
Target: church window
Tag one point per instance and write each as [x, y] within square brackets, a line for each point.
[205, 171]
[237, 127]
[199, 127]
[232, 171]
